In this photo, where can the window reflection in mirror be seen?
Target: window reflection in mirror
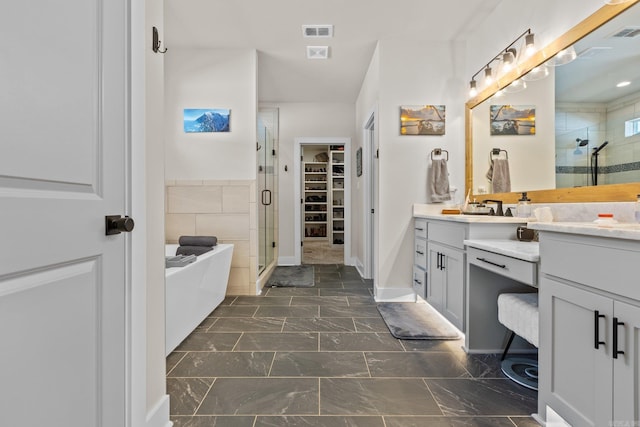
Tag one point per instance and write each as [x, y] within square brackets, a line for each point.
[579, 106]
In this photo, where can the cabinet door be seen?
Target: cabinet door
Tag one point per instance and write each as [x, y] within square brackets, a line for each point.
[453, 301]
[435, 288]
[575, 377]
[626, 367]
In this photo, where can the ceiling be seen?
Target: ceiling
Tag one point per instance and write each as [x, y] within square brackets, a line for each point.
[274, 29]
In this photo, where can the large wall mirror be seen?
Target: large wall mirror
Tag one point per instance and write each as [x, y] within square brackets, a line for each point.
[584, 144]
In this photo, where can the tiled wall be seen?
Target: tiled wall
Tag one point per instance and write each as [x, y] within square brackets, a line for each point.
[225, 209]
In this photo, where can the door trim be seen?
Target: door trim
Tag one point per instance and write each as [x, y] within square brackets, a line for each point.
[297, 191]
[369, 198]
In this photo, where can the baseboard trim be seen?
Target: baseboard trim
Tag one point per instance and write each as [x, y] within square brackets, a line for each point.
[359, 266]
[287, 260]
[394, 295]
[159, 415]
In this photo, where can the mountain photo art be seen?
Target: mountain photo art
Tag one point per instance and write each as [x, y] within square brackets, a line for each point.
[206, 120]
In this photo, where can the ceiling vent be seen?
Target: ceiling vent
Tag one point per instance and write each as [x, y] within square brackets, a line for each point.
[627, 33]
[317, 52]
[317, 30]
[593, 51]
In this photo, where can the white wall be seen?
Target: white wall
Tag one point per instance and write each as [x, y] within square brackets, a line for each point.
[413, 73]
[548, 19]
[211, 78]
[302, 120]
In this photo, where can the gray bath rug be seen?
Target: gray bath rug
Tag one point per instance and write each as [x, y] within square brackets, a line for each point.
[416, 321]
[292, 276]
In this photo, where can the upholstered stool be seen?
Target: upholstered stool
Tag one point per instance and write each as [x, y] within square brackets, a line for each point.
[519, 314]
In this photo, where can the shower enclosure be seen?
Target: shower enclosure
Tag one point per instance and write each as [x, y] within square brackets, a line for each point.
[266, 184]
[575, 163]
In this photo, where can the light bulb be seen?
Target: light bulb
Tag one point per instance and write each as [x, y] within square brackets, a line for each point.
[473, 90]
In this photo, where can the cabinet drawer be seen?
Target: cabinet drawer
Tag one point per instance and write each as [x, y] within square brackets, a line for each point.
[420, 227]
[420, 253]
[449, 234]
[516, 269]
[420, 282]
[593, 262]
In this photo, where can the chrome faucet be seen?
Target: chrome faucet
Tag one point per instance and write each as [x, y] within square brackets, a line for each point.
[499, 211]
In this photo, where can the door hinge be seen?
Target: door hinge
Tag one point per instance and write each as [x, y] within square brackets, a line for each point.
[377, 153]
[273, 152]
[373, 211]
[301, 201]
[273, 244]
[301, 158]
[301, 243]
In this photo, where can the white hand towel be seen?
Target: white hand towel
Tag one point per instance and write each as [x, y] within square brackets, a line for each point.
[439, 181]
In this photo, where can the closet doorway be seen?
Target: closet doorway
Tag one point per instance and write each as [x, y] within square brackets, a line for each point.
[324, 193]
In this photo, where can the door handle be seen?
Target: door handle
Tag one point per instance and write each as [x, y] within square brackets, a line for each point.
[596, 329]
[616, 323]
[264, 198]
[116, 224]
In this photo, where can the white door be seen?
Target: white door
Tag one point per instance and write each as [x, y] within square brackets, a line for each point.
[63, 165]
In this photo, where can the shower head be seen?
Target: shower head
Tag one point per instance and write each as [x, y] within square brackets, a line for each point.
[596, 150]
[582, 142]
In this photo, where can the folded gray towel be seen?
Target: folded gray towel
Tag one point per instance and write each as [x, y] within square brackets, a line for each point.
[198, 241]
[500, 176]
[439, 181]
[193, 250]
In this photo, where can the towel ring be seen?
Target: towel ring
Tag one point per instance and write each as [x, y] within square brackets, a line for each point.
[438, 152]
[496, 152]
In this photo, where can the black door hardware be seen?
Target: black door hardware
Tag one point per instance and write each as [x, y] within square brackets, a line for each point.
[116, 224]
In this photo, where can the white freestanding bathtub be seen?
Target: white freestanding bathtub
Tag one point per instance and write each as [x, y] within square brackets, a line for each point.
[193, 291]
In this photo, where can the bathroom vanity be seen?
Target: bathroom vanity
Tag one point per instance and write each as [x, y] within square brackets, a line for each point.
[589, 355]
[439, 271]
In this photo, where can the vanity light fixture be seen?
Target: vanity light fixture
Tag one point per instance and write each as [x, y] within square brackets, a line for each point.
[536, 73]
[507, 59]
[516, 86]
[473, 89]
[616, 1]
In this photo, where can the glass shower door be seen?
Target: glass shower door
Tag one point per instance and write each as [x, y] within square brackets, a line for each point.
[266, 187]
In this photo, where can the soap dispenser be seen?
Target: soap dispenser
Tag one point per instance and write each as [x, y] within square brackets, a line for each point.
[523, 209]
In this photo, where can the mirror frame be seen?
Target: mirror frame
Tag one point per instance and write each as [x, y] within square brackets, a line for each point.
[601, 193]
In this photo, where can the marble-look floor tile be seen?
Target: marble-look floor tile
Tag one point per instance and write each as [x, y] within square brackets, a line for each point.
[206, 341]
[524, 422]
[359, 300]
[326, 276]
[481, 365]
[345, 292]
[185, 394]
[373, 396]
[326, 421]
[234, 311]
[358, 284]
[332, 301]
[468, 397]
[329, 285]
[287, 341]
[352, 311]
[260, 300]
[262, 396]
[447, 422]
[229, 299]
[431, 345]
[249, 324]
[370, 324]
[415, 364]
[319, 324]
[172, 359]
[213, 421]
[284, 311]
[288, 291]
[225, 364]
[206, 323]
[337, 341]
[322, 364]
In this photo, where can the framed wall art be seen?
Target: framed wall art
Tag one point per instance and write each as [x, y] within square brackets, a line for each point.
[206, 120]
[422, 119]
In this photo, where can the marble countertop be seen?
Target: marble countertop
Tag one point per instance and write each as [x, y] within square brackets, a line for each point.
[429, 212]
[619, 230]
[527, 251]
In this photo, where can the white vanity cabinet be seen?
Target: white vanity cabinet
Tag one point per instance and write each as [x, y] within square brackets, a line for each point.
[420, 257]
[590, 329]
[439, 270]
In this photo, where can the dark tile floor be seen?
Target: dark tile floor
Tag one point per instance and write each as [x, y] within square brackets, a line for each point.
[322, 356]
